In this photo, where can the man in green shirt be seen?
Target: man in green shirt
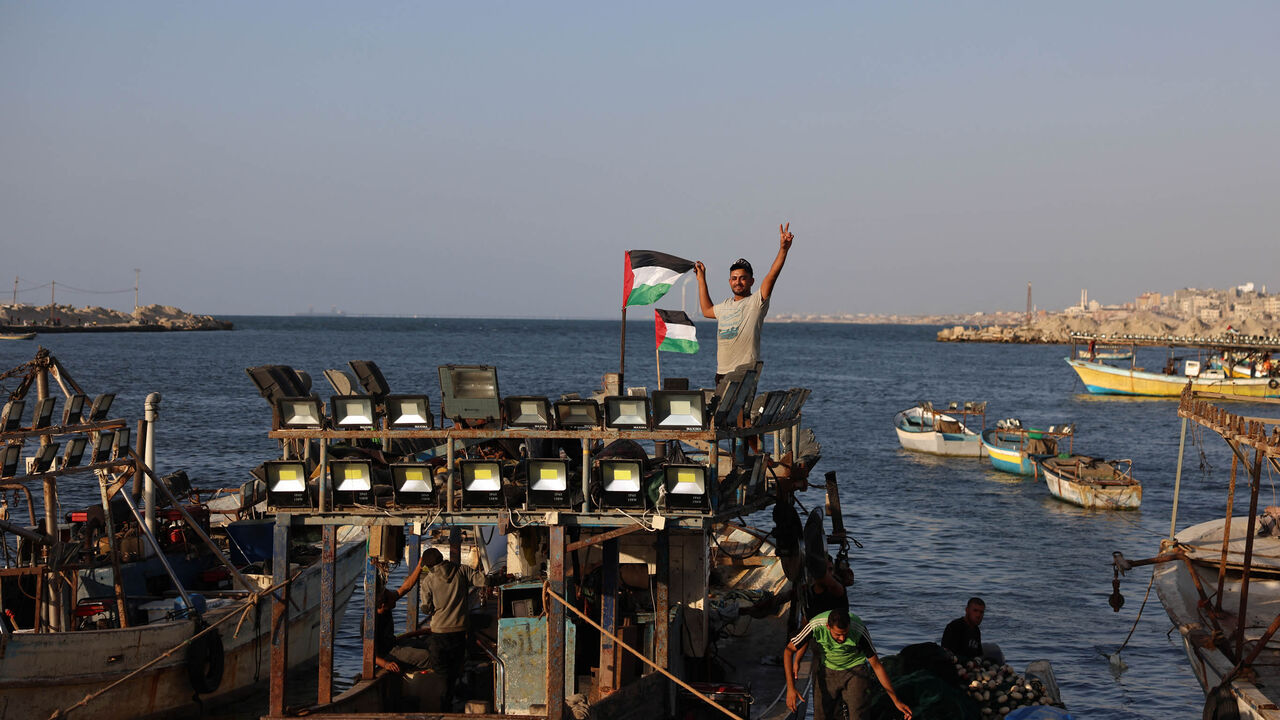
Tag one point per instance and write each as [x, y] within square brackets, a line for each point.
[845, 652]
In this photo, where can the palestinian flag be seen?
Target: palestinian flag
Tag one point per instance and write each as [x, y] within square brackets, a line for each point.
[674, 331]
[649, 275]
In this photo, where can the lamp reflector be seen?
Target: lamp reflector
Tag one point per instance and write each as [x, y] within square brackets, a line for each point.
[43, 415]
[413, 484]
[409, 411]
[101, 406]
[527, 411]
[577, 414]
[620, 484]
[352, 411]
[102, 444]
[469, 392]
[686, 487]
[75, 452]
[626, 411]
[352, 482]
[679, 409]
[548, 480]
[74, 410]
[9, 457]
[287, 484]
[300, 412]
[481, 483]
[11, 416]
[43, 459]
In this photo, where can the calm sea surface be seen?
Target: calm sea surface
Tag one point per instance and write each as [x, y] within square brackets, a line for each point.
[933, 531]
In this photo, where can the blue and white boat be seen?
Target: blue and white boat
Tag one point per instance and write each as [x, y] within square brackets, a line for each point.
[923, 429]
[1015, 449]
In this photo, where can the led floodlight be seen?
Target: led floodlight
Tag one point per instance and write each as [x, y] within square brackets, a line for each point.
[43, 415]
[620, 484]
[9, 457]
[548, 483]
[679, 409]
[686, 487]
[352, 482]
[11, 416]
[75, 452]
[121, 442]
[300, 413]
[527, 411]
[409, 411]
[481, 484]
[74, 410]
[287, 484]
[43, 460]
[626, 411]
[100, 407]
[102, 443]
[370, 377]
[577, 414]
[412, 484]
[352, 412]
[469, 392]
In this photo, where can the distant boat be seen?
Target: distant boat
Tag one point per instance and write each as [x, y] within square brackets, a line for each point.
[923, 429]
[17, 336]
[1092, 482]
[1015, 449]
[1105, 379]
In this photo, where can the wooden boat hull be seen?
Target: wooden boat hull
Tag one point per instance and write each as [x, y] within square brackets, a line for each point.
[17, 336]
[1103, 379]
[918, 436]
[41, 673]
[1064, 485]
[1007, 459]
[1257, 694]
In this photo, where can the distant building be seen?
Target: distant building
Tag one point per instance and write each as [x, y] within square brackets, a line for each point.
[1148, 301]
[1210, 314]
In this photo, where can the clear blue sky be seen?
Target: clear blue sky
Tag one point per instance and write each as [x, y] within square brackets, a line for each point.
[497, 159]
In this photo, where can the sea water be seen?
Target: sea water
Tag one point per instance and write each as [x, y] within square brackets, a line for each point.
[933, 531]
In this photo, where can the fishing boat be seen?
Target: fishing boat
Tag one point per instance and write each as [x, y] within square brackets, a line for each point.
[1219, 580]
[17, 336]
[133, 609]
[1092, 482]
[618, 513]
[1015, 449]
[1205, 373]
[923, 429]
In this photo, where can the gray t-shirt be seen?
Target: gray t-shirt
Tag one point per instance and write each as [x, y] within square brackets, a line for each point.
[738, 332]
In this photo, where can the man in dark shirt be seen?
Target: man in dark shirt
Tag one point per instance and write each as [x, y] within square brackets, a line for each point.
[962, 635]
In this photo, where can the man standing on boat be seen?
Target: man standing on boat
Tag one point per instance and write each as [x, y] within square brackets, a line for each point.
[847, 658]
[739, 318]
[962, 636]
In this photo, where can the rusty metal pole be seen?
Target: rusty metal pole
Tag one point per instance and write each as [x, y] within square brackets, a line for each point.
[328, 553]
[1256, 482]
[1226, 532]
[367, 665]
[1177, 479]
[54, 586]
[415, 552]
[662, 599]
[117, 582]
[608, 680]
[555, 625]
[279, 614]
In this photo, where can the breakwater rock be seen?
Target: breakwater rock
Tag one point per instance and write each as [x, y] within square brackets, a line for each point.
[67, 318]
[1057, 329]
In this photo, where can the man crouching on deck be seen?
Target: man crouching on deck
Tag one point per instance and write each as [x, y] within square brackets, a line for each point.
[846, 651]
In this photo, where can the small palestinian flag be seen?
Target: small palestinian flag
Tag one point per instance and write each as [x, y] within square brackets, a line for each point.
[649, 275]
[674, 331]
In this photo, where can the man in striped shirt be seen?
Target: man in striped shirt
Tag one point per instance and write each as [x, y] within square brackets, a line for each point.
[845, 653]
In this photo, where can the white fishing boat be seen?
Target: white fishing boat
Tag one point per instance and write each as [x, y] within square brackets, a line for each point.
[1092, 482]
[1219, 581]
[951, 432]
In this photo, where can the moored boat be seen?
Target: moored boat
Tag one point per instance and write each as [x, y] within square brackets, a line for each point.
[133, 608]
[17, 336]
[1015, 449]
[1102, 379]
[923, 429]
[1092, 482]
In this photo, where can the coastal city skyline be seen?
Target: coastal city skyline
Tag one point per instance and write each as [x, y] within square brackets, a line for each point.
[473, 161]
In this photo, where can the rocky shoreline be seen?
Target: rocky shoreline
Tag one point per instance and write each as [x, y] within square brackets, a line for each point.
[1057, 329]
[67, 318]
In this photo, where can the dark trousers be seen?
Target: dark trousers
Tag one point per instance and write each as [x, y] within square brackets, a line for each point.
[832, 686]
[448, 655]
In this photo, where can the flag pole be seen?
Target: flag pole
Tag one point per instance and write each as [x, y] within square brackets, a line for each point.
[657, 356]
[622, 357]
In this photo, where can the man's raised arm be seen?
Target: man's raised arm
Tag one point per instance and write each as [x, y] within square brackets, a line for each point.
[704, 297]
[784, 246]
